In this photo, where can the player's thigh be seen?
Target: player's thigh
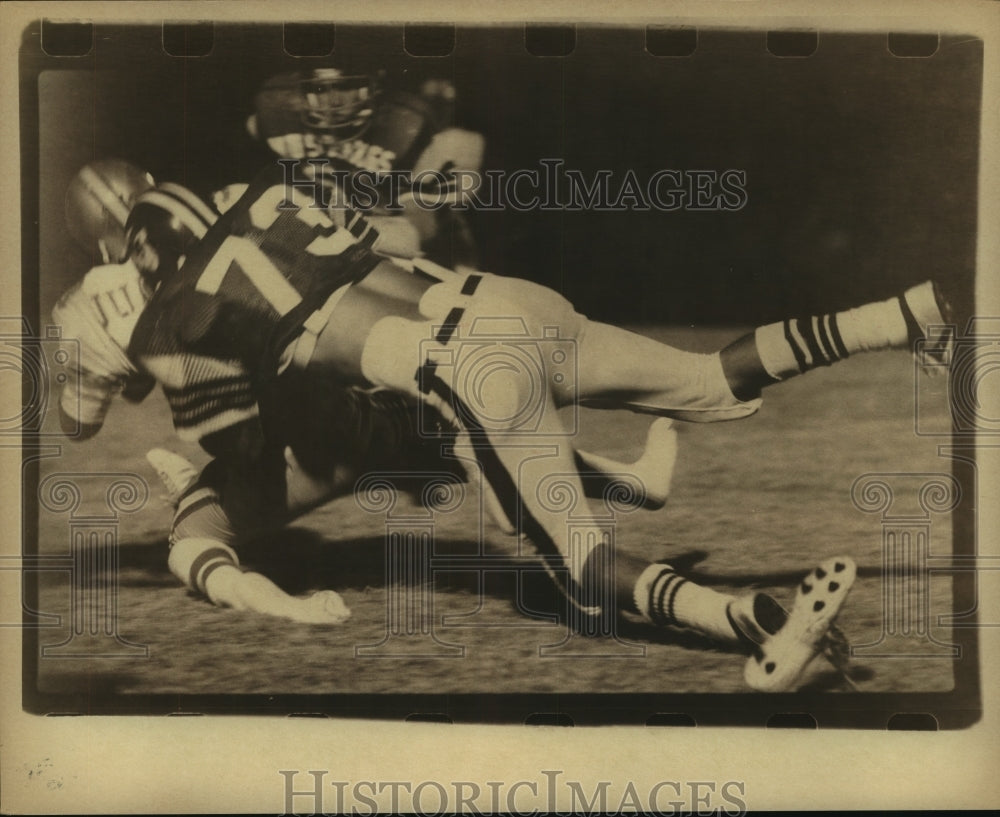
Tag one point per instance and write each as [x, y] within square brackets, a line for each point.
[387, 290]
[545, 312]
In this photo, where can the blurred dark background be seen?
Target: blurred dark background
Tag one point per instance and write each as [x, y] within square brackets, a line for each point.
[861, 166]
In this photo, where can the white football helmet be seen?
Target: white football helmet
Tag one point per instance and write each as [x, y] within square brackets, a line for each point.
[98, 203]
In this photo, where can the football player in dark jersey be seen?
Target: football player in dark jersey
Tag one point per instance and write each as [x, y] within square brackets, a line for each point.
[280, 284]
[349, 122]
[258, 481]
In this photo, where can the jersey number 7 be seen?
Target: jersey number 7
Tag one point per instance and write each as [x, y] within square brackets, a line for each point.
[259, 270]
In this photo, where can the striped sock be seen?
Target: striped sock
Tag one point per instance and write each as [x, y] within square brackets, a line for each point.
[665, 598]
[797, 345]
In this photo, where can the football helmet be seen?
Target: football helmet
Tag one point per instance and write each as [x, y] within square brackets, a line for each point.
[165, 223]
[337, 103]
[333, 104]
[98, 202]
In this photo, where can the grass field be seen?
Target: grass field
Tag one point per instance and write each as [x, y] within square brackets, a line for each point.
[756, 503]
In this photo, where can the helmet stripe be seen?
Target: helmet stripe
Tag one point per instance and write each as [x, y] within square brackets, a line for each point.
[177, 208]
[191, 200]
[99, 188]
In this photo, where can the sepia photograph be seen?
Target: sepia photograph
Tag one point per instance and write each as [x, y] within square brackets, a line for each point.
[577, 373]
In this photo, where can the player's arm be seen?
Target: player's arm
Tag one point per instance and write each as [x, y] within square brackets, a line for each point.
[203, 559]
[212, 569]
[398, 236]
[451, 163]
[96, 318]
[84, 403]
[86, 398]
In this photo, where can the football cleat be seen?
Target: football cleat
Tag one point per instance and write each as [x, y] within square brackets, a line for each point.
[931, 322]
[756, 618]
[785, 644]
[175, 472]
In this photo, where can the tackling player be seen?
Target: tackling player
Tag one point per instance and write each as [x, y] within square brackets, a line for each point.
[338, 432]
[279, 285]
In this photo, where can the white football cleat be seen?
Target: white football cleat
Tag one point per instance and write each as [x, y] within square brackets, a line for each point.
[781, 656]
[176, 473]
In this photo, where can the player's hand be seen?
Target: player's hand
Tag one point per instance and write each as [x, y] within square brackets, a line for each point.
[323, 607]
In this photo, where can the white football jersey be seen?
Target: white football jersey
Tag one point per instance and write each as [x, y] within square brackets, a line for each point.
[100, 314]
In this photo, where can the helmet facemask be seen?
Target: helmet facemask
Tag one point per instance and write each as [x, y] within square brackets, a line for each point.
[337, 106]
[165, 225]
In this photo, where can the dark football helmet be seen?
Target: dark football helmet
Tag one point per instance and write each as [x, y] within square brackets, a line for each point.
[165, 223]
[98, 203]
[337, 103]
[334, 105]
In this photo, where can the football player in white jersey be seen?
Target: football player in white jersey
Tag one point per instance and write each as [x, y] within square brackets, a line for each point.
[280, 286]
[103, 307]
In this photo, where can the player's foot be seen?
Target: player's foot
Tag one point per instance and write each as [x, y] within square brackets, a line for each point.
[785, 644]
[175, 472]
[649, 476]
[756, 618]
[655, 468]
[931, 323]
[322, 607]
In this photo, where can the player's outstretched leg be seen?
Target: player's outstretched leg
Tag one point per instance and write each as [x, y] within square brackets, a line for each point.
[620, 369]
[482, 362]
[778, 351]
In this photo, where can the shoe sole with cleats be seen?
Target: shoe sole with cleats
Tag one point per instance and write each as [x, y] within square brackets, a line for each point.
[778, 663]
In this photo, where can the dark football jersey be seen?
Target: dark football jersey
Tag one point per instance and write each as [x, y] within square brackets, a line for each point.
[212, 331]
[401, 128]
